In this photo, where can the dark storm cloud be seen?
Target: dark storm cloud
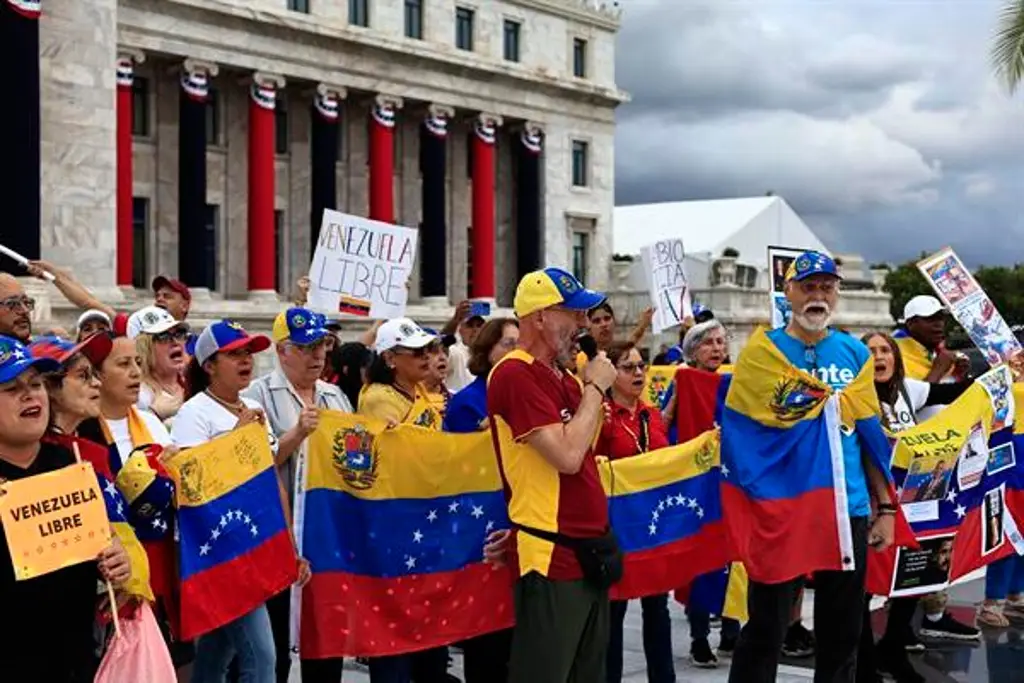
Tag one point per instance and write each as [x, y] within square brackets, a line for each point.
[877, 121]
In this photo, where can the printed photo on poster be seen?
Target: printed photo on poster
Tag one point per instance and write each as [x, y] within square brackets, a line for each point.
[973, 458]
[923, 570]
[993, 508]
[999, 385]
[950, 277]
[927, 479]
[1001, 458]
[779, 261]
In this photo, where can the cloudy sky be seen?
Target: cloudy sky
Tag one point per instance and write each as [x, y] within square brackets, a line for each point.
[877, 120]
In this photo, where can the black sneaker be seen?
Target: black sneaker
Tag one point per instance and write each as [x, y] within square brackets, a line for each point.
[948, 628]
[726, 646]
[799, 642]
[701, 655]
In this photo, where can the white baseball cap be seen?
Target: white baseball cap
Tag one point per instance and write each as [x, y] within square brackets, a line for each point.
[922, 306]
[93, 314]
[402, 332]
[150, 320]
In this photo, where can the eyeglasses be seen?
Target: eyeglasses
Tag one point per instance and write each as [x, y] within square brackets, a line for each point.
[633, 367]
[175, 335]
[309, 348]
[14, 302]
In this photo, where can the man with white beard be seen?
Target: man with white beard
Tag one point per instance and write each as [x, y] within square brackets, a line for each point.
[835, 358]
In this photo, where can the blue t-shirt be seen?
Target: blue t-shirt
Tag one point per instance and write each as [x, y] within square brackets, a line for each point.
[467, 408]
[836, 360]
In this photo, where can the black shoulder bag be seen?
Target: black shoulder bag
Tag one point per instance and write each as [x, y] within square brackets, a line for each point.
[600, 558]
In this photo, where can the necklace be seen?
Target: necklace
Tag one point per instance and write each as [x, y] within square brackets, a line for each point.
[235, 407]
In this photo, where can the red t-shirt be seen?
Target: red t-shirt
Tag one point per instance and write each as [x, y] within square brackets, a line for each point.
[625, 433]
[526, 395]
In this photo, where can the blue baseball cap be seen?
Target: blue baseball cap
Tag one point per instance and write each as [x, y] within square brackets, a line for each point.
[812, 263]
[227, 335]
[553, 287]
[16, 358]
[299, 326]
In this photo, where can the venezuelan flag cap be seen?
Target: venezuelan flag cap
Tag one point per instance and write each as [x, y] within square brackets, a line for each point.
[95, 348]
[553, 287]
[812, 263]
[227, 335]
[15, 359]
[299, 326]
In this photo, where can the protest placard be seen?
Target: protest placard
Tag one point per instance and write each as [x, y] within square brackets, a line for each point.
[54, 520]
[779, 261]
[924, 569]
[666, 281]
[970, 306]
[361, 267]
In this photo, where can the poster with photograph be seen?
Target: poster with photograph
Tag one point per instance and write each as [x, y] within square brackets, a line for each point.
[1001, 458]
[923, 570]
[973, 459]
[998, 382]
[779, 261]
[993, 509]
[970, 306]
[927, 478]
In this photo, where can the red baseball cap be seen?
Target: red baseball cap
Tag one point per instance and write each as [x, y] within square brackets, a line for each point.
[161, 281]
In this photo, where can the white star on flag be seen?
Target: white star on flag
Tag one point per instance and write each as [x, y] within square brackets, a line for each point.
[655, 515]
[700, 513]
[951, 496]
[417, 537]
[960, 511]
[692, 503]
[653, 528]
[223, 521]
[725, 471]
[680, 499]
[410, 561]
[110, 489]
[478, 511]
[670, 501]
[432, 516]
[490, 526]
[215, 534]
[204, 549]
[454, 507]
[255, 532]
[661, 505]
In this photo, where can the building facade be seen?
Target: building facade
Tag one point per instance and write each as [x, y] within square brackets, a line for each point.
[203, 138]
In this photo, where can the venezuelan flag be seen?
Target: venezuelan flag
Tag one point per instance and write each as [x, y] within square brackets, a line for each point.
[665, 508]
[701, 398]
[782, 464]
[234, 546]
[394, 528]
[353, 306]
[721, 592]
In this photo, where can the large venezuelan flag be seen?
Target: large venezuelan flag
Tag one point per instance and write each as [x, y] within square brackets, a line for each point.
[665, 509]
[782, 464]
[235, 548]
[395, 522]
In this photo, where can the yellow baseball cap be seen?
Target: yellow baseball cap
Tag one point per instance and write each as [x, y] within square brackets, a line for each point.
[553, 287]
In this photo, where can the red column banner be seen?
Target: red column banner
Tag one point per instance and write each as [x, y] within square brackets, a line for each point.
[125, 247]
[262, 246]
[482, 238]
[382, 159]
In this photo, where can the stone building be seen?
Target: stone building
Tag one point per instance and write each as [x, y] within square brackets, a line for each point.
[487, 125]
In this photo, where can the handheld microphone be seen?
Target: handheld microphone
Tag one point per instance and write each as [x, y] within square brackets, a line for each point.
[588, 345]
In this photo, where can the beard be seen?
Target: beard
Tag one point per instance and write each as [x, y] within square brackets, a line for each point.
[814, 317]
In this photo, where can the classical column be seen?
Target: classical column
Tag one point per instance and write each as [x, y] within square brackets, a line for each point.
[382, 157]
[434, 228]
[19, 129]
[482, 240]
[528, 200]
[125, 248]
[262, 246]
[324, 113]
[192, 102]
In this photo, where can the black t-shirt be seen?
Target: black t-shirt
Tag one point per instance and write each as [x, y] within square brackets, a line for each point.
[46, 633]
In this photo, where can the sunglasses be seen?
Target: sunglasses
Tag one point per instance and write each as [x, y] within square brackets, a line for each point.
[175, 335]
[633, 367]
[415, 353]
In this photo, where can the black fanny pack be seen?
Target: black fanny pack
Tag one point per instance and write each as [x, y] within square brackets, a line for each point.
[600, 558]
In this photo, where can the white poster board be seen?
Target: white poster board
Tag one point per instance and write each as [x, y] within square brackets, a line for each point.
[361, 267]
[667, 282]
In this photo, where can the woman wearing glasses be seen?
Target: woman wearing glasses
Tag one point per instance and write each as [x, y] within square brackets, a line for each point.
[160, 342]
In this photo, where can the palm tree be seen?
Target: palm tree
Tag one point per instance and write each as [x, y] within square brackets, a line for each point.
[1008, 50]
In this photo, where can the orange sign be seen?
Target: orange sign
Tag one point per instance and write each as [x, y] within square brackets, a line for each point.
[54, 520]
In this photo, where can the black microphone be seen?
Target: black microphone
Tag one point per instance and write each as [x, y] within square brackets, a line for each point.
[645, 428]
[588, 345]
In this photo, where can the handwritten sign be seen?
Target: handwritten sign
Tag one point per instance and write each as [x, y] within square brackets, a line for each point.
[666, 280]
[54, 520]
[361, 267]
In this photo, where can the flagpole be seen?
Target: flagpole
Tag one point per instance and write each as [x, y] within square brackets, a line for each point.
[78, 459]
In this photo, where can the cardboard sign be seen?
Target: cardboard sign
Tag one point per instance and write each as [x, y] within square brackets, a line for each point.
[666, 280]
[361, 267]
[54, 520]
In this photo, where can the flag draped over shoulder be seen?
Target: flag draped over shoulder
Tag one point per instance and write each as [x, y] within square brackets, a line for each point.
[394, 528]
[700, 397]
[782, 464]
[665, 509]
[235, 549]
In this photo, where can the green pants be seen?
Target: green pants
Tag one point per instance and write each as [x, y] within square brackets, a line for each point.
[561, 633]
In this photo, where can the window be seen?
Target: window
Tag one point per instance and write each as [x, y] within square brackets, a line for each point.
[208, 246]
[511, 41]
[579, 58]
[213, 118]
[579, 164]
[414, 19]
[299, 6]
[464, 28]
[140, 106]
[580, 253]
[140, 242]
[359, 12]
[281, 124]
[279, 236]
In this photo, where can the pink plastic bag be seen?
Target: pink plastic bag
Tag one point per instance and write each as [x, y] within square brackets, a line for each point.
[138, 654]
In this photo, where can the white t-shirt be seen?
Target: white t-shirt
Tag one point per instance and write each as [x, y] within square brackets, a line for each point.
[203, 419]
[122, 437]
[459, 375]
[900, 416]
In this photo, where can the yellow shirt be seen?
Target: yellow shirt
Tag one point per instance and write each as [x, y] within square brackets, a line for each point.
[387, 403]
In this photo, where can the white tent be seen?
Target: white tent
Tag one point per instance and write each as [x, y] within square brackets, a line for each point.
[750, 225]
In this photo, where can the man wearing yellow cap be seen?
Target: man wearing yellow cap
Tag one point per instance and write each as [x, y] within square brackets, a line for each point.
[566, 553]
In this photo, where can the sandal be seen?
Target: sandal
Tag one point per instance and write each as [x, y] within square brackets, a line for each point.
[990, 615]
